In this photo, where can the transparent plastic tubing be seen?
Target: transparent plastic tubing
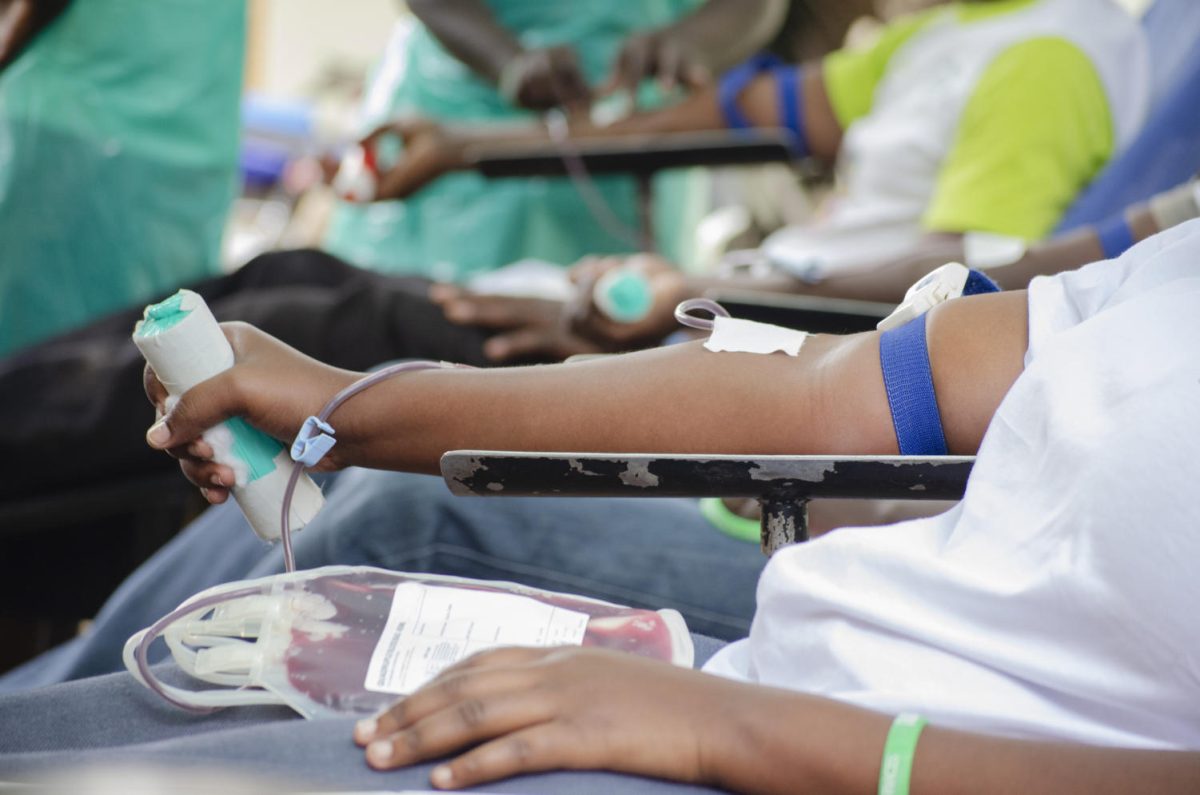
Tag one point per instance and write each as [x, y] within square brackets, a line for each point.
[684, 316]
[560, 135]
[285, 525]
[157, 629]
[289, 560]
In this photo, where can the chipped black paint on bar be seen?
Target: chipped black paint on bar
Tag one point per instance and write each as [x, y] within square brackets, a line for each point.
[783, 483]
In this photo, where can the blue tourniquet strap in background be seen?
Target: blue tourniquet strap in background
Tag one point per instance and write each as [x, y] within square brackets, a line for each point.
[732, 84]
[908, 379]
[791, 107]
[1115, 236]
[979, 282]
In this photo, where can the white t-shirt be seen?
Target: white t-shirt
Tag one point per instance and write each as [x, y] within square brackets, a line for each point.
[1056, 600]
[891, 159]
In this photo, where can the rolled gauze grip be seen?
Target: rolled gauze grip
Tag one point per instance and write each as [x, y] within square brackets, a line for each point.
[184, 344]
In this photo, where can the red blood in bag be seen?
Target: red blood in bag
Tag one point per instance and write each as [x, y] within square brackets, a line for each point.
[331, 669]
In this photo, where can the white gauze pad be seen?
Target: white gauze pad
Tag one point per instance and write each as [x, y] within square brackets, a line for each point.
[184, 344]
[734, 335]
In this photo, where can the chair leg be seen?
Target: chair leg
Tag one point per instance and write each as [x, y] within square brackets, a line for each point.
[784, 521]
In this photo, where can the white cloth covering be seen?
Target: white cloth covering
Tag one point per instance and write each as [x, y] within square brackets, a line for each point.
[1059, 598]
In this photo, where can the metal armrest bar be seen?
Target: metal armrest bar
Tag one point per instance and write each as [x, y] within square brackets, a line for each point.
[784, 484]
[635, 154]
[807, 312]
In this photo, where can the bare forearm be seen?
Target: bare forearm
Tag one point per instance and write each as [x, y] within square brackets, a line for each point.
[799, 744]
[470, 32]
[1069, 251]
[884, 281]
[686, 399]
[730, 31]
[950, 761]
[699, 111]
[679, 399]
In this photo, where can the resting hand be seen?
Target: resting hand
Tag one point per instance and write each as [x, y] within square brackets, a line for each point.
[528, 710]
[544, 79]
[273, 386]
[527, 328]
[429, 152]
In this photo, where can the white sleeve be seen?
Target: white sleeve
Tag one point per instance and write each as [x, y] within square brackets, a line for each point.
[1060, 302]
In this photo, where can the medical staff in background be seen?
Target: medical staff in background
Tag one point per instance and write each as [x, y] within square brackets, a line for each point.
[118, 154]
[499, 61]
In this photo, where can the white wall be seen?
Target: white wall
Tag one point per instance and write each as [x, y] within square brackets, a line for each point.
[294, 41]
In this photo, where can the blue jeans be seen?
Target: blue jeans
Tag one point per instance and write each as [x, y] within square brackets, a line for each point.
[640, 552]
[112, 720]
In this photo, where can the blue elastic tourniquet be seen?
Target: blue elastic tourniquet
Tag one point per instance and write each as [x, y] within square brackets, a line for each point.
[734, 81]
[979, 282]
[791, 108]
[908, 379]
[1115, 236]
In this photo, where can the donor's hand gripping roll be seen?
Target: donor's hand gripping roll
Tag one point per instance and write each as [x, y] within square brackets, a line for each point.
[184, 344]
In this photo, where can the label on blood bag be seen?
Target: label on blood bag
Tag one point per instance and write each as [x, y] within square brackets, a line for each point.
[432, 627]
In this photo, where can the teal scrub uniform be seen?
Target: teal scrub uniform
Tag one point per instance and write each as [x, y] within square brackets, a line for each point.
[118, 159]
[463, 223]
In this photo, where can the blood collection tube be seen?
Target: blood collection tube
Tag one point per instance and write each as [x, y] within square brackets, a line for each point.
[357, 178]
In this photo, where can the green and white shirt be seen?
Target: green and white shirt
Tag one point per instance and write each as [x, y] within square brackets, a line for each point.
[972, 117]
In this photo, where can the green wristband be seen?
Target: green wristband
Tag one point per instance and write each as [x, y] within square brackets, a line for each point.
[898, 752]
[730, 523]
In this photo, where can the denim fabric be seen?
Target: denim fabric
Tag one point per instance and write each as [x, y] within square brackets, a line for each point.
[112, 720]
[640, 552]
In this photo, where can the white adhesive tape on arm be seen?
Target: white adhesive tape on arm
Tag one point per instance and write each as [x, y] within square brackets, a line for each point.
[733, 335]
[983, 250]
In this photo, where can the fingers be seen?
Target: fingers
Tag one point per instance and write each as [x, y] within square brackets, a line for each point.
[155, 391]
[632, 66]
[208, 475]
[591, 268]
[695, 75]
[370, 138]
[656, 55]
[473, 715]
[214, 496]
[670, 65]
[440, 293]
[200, 408]
[551, 78]
[458, 681]
[526, 343]
[494, 311]
[200, 449]
[570, 88]
[396, 183]
[492, 658]
[405, 128]
[195, 457]
[536, 749]
[423, 152]
[479, 700]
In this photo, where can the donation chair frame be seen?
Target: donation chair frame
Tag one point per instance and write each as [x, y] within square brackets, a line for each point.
[783, 484]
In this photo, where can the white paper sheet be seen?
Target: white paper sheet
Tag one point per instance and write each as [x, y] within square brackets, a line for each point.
[430, 628]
